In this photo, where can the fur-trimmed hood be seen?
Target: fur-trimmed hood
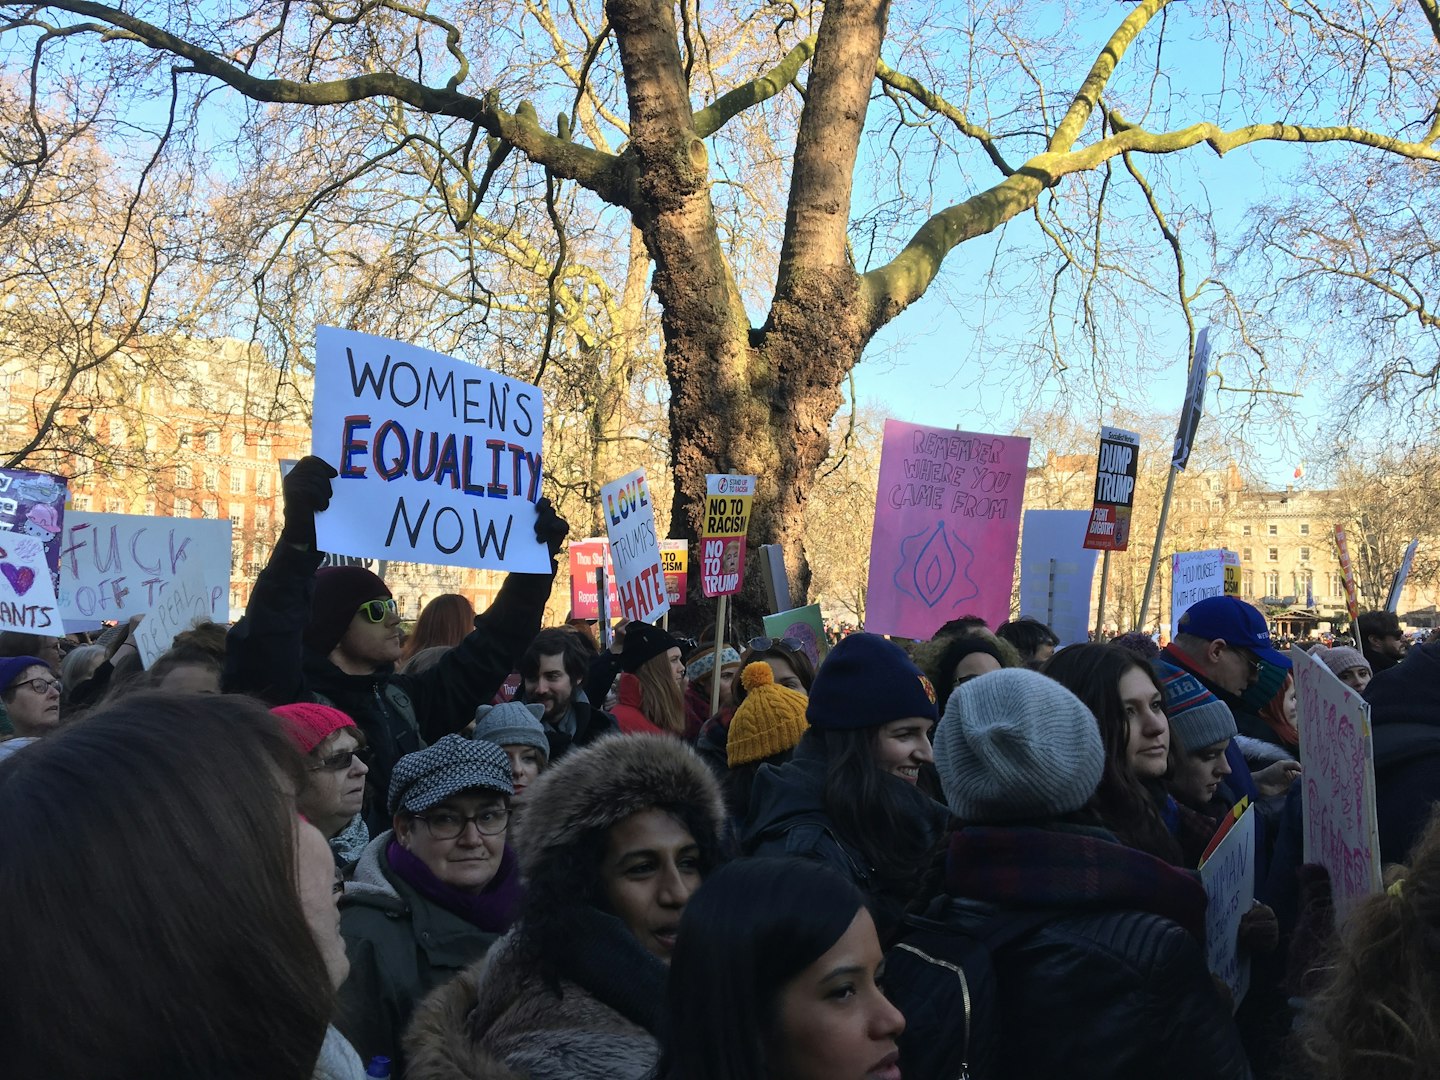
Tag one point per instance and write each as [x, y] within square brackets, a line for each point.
[601, 784]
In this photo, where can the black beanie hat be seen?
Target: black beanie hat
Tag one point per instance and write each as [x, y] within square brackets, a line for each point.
[339, 592]
[867, 681]
[644, 642]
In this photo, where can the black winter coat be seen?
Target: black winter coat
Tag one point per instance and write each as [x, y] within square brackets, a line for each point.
[266, 657]
[1100, 995]
[1405, 722]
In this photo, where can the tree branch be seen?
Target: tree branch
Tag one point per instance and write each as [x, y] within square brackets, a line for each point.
[597, 171]
[718, 113]
[937, 104]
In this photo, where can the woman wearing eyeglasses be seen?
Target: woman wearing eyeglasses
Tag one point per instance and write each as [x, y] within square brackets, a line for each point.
[335, 762]
[431, 894]
[30, 690]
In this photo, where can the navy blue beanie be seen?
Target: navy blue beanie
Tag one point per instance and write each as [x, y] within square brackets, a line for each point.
[867, 681]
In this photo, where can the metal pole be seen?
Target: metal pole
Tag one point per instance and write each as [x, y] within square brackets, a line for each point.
[1155, 554]
[719, 644]
[1104, 584]
[1050, 598]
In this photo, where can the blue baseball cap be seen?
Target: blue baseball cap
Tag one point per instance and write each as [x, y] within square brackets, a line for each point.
[1234, 622]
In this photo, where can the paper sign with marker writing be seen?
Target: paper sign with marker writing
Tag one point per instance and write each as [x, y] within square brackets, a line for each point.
[947, 522]
[722, 536]
[634, 549]
[182, 603]
[1195, 576]
[32, 505]
[1337, 782]
[1057, 571]
[1229, 879]
[113, 566]
[439, 461]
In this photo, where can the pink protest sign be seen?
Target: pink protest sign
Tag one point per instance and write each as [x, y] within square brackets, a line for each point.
[1338, 782]
[587, 556]
[947, 523]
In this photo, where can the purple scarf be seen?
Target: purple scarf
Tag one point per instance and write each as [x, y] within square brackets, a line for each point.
[492, 910]
[1048, 868]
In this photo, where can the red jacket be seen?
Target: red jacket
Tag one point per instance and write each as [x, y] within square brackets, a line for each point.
[628, 712]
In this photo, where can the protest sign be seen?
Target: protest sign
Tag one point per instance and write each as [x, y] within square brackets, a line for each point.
[802, 624]
[722, 537]
[439, 460]
[1194, 401]
[585, 556]
[183, 601]
[1057, 572]
[1347, 573]
[1115, 472]
[32, 513]
[1397, 586]
[1194, 576]
[634, 549]
[947, 523]
[1230, 566]
[675, 561]
[1338, 782]
[1228, 875]
[113, 566]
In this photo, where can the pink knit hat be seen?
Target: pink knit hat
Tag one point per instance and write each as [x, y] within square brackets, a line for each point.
[309, 724]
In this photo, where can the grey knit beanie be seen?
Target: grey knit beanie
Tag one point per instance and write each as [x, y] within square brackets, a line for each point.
[1015, 745]
[512, 724]
[1341, 659]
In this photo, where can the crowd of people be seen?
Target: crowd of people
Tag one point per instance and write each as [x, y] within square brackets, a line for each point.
[310, 847]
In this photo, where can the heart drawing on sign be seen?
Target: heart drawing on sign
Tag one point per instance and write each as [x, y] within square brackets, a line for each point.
[20, 577]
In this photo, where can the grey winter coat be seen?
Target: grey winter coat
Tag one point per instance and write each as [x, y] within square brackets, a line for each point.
[401, 946]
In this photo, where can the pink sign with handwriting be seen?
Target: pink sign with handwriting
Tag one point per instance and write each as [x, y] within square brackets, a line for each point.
[947, 523]
[1338, 782]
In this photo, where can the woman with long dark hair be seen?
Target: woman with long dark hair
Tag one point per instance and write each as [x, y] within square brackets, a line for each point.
[848, 796]
[768, 949]
[1122, 692]
[154, 924]
[616, 837]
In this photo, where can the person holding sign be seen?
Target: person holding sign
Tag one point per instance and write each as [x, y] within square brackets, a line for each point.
[333, 636]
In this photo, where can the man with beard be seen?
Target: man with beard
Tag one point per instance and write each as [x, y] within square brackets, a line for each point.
[554, 668]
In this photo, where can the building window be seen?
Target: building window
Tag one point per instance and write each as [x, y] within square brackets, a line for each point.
[265, 448]
[182, 508]
[1272, 530]
[237, 443]
[80, 502]
[262, 517]
[237, 515]
[237, 481]
[1245, 555]
[1305, 585]
[212, 442]
[210, 509]
[114, 506]
[1304, 528]
[150, 507]
[262, 485]
[1272, 583]
[1272, 554]
[184, 478]
[1337, 584]
[184, 440]
[1248, 582]
[1304, 554]
[212, 478]
[1245, 530]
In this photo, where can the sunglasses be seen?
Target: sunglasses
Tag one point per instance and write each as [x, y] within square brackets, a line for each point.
[378, 610]
[760, 644]
[341, 761]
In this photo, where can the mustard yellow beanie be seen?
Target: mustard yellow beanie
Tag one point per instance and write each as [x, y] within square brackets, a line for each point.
[769, 721]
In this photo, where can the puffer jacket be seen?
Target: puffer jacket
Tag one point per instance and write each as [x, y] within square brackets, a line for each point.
[500, 1020]
[401, 946]
[266, 657]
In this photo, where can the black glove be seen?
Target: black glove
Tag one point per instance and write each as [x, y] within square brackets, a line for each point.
[307, 492]
[550, 528]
